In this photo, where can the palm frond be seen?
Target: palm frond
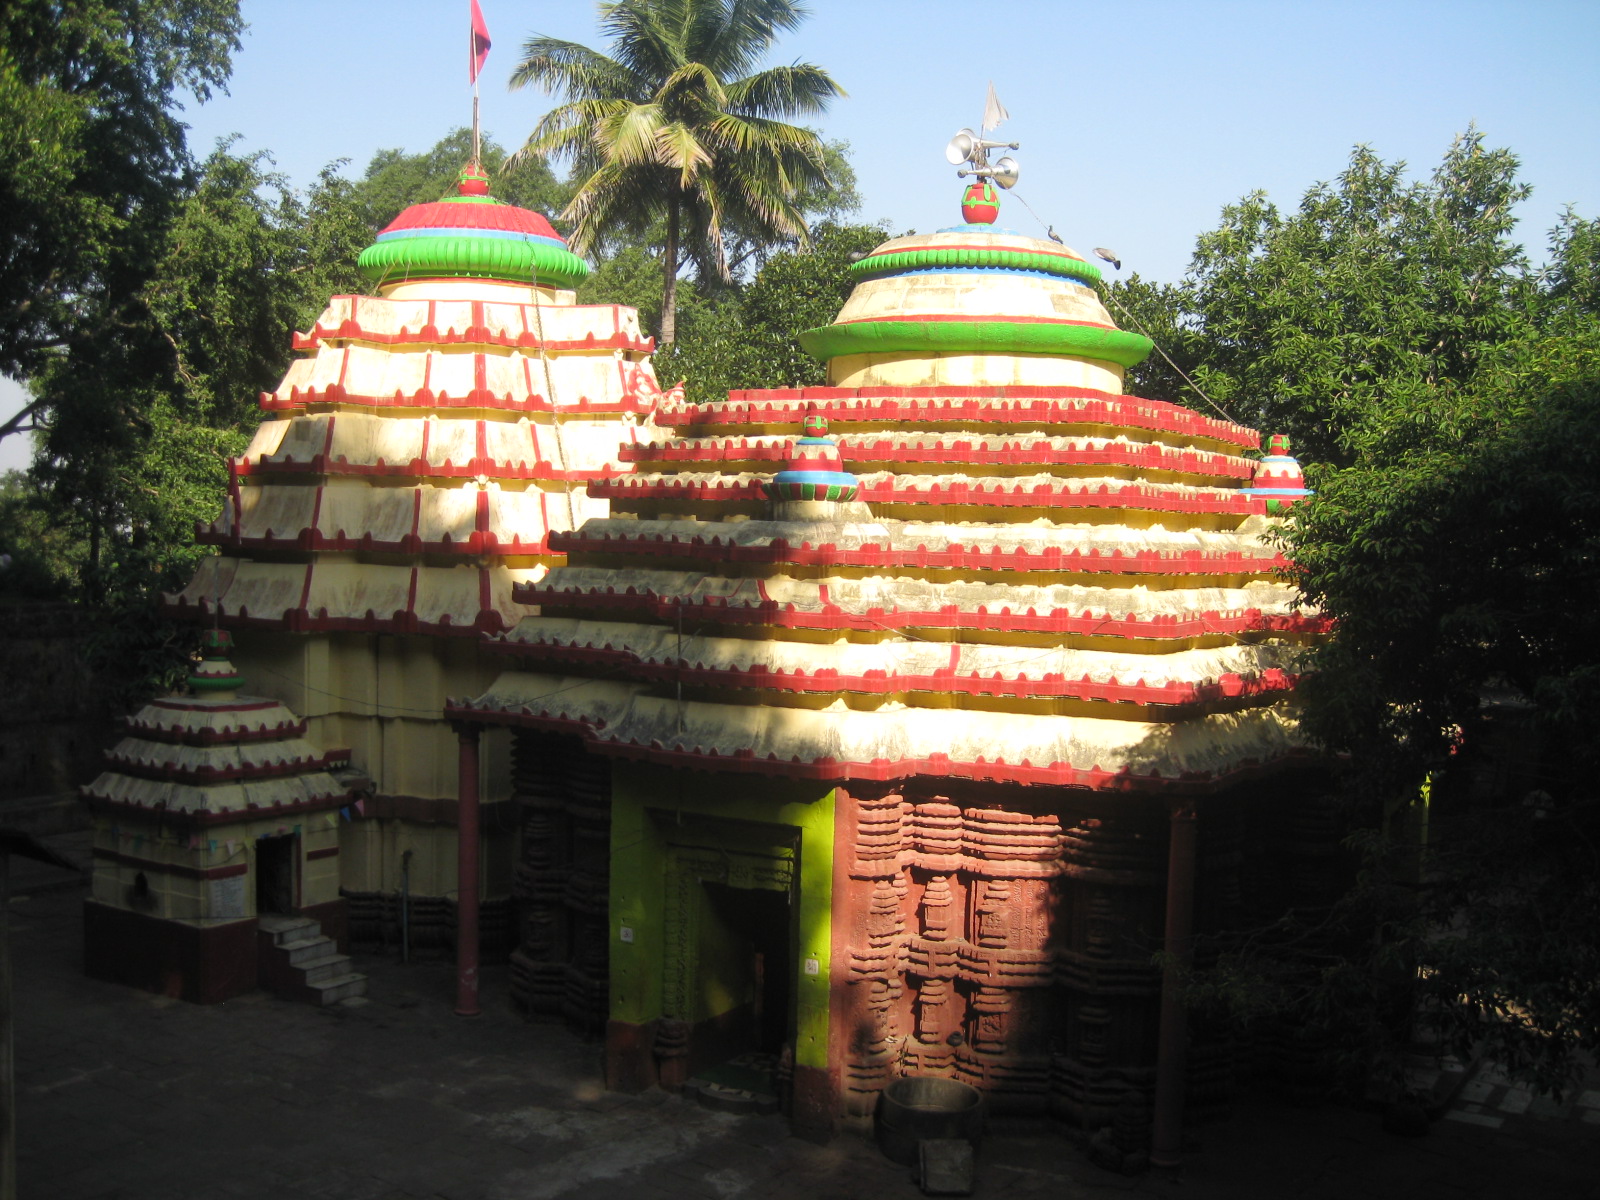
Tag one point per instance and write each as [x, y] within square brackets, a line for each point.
[568, 131]
[679, 149]
[631, 135]
[693, 89]
[731, 36]
[581, 73]
[646, 36]
[802, 89]
[611, 197]
[675, 119]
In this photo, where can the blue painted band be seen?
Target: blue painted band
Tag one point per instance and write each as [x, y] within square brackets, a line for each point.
[843, 478]
[978, 228]
[987, 271]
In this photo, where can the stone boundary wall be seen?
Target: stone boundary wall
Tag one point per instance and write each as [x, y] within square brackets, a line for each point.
[54, 719]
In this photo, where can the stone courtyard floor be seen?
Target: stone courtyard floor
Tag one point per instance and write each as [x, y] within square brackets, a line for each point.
[123, 1094]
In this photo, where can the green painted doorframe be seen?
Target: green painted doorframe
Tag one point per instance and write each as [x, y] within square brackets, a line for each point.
[645, 839]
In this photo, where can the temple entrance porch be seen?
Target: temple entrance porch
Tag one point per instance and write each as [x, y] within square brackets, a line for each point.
[276, 859]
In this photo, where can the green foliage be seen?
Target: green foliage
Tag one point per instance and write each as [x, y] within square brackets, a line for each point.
[1570, 295]
[753, 341]
[136, 428]
[91, 156]
[45, 558]
[674, 130]
[138, 422]
[1458, 556]
[1159, 311]
[1448, 399]
[1461, 561]
[1377, 294]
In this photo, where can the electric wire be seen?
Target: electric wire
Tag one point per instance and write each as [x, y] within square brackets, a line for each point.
[1137, 324]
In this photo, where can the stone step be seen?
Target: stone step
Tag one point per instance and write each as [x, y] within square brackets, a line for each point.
[306, 949]
[289, 929]
[317, 970]
[340, 987]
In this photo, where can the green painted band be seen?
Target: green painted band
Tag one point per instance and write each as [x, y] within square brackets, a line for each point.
[962, 336]
[471, 258]
[934, 257]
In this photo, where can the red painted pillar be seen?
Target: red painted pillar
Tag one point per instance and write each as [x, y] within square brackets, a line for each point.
[1172, 1053]
[467, 873]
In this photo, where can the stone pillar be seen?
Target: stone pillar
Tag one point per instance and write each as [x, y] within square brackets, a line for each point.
[467, 876]
[1173, 1049]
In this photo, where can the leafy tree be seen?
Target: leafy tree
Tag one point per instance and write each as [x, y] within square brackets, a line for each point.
[1459, 558]
[672, 128]
[753, 341]
[1161, 312]
[91, 159]
[1448, 397]
[44, 557]
[137, 428]
[1569, 297]
[1376, 294]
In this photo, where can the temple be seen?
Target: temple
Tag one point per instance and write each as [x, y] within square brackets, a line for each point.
[842, 733]
[895, 726]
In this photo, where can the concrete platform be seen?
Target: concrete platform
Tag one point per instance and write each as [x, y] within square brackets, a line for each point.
[124, 1094]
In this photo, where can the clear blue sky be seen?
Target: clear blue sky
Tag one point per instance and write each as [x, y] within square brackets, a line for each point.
[1138, 120]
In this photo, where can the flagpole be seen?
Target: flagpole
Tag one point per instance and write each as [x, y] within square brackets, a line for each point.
[472, 59]
[477, 51]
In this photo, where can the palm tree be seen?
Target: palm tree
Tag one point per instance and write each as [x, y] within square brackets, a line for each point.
[675, 128]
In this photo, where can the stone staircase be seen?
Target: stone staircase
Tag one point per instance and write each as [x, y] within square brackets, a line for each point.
[298, 962]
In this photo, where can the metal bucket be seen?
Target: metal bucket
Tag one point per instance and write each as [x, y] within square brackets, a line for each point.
[922, 1107]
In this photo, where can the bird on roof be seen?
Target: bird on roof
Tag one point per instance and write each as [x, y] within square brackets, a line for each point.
[1054, 236]
[1110, 256]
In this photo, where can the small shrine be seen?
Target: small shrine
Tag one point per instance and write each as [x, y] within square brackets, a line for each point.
[213, 814]
[900, 746]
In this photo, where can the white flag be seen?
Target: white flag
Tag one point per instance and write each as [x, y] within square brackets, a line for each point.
[993, 111]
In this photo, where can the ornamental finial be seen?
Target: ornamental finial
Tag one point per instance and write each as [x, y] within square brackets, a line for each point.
[474, 180]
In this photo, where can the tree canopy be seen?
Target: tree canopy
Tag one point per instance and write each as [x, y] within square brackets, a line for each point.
[92, 158]
[1447, 397]
[677, 128]
[1377, 292]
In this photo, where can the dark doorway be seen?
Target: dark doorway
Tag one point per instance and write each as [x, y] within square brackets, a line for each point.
[760, 918]
[275, 863]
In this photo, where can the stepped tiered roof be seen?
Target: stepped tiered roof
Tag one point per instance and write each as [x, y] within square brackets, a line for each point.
[422, 449]
[216, 756]
[1030, 577]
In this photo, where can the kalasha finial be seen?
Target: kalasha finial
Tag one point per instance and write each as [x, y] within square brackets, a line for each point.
[474, 180]
[980, 203]
[1278, 480]
[214, 673]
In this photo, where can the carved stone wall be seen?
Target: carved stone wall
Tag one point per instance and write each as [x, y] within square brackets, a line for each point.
[1009, 943]
[562, 881]
[950, 965]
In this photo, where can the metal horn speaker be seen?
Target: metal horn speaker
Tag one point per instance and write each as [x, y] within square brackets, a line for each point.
[1006, 172]
[960, 148]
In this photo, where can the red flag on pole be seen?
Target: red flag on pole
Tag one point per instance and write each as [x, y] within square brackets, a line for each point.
[480, 43]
